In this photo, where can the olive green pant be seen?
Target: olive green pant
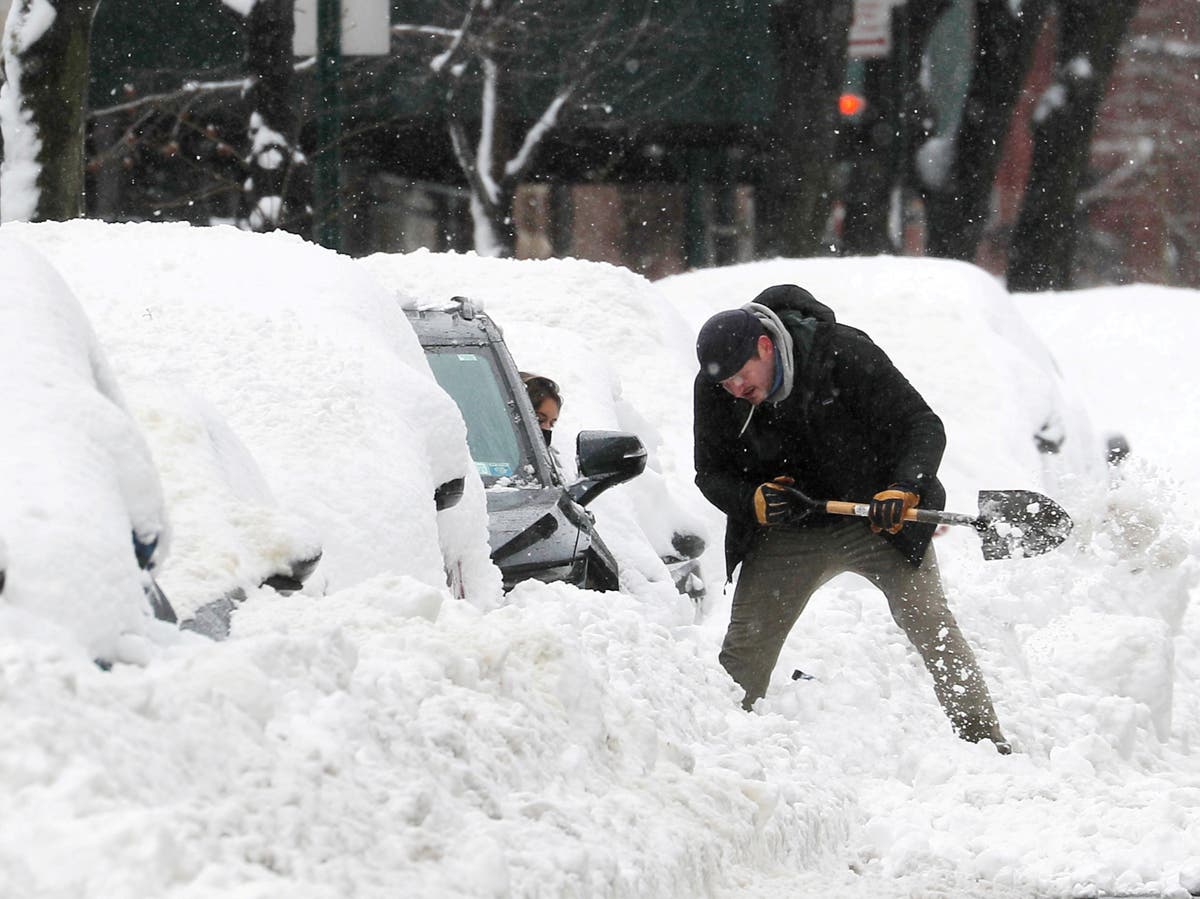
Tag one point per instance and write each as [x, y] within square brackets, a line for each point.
[786, 566]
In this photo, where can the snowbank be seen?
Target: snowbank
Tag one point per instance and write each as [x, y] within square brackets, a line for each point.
[315, 369]
[1125, 343]
[230, 533]
[77, 481]
[384, 739]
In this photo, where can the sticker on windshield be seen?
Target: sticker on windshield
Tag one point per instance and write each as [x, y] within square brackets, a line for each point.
[467, 357]
[494, 469]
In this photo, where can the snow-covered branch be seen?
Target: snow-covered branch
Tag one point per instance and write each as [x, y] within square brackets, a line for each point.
[242, 7]
[536, 134]
[443, 60]
[487, 130]
[430, 30]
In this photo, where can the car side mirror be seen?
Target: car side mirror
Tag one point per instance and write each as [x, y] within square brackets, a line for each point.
[605, 459]
[448, 494]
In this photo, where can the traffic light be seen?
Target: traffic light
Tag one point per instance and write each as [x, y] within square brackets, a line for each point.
[851, 104]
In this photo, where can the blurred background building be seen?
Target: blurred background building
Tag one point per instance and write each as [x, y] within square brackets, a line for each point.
[667, 176]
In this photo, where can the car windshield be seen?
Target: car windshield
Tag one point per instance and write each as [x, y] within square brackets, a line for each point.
[469, 374]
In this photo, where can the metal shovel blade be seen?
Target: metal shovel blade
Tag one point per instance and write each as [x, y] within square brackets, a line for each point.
[1017, 523]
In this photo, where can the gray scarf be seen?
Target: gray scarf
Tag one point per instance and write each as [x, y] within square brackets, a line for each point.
[785, 355]
[783, 342]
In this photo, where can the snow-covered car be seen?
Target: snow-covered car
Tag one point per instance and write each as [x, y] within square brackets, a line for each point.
[229, 535]
[297, 404]
[569, 320]
[538, 524]
[82, 520]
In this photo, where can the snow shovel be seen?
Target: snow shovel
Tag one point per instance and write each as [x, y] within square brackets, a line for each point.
[1011, 523]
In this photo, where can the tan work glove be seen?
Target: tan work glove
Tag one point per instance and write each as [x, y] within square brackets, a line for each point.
[773, 504]
[888, 508]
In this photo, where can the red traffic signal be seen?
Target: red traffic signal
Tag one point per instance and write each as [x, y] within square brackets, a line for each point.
[851, 104]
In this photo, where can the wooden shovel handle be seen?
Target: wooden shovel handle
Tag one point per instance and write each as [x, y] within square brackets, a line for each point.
[838, 507]
[928, 516]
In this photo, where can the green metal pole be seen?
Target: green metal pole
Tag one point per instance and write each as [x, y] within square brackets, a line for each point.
[903, 100]
[695, 222]
[328, 164]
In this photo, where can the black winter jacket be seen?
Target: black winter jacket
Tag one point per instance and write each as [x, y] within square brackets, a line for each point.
[851, 427]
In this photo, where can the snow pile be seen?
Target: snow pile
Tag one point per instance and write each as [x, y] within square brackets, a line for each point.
[1124, 342]
[385, 739]
[316, 371]
[76, 478]
[230, 534]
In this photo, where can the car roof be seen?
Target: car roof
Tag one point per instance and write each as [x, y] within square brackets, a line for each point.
[458, 321]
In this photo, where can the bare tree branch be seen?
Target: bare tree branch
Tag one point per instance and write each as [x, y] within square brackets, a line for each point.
[188, 89]
[191, 89]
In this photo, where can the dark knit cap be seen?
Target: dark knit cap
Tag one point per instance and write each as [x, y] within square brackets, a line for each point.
[726, 343]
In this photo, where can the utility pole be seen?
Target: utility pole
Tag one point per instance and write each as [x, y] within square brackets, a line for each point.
[328, 163]
[329, 30]
[902, 99]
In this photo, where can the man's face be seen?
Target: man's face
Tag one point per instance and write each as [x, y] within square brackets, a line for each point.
[753, 380]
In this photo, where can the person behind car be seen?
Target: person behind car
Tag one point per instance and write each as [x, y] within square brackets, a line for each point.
[787, 396]
[547, 402]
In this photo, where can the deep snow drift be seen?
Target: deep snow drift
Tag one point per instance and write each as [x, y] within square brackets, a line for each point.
[375, 737]
[71, 450]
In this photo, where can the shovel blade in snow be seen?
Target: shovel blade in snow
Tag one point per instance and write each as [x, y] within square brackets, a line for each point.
[1018, 523]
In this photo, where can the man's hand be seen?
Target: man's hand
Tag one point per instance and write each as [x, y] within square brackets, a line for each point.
[888, 508]
[773, 504]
